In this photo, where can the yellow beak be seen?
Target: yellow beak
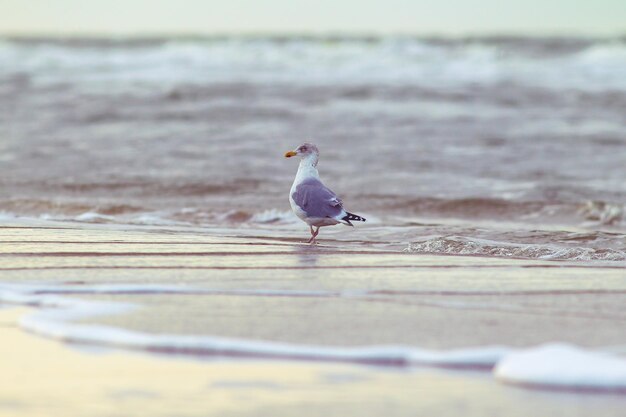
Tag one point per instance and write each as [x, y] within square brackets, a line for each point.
[290, 154]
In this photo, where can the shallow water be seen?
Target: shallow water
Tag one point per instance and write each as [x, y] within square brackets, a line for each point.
[192, 131]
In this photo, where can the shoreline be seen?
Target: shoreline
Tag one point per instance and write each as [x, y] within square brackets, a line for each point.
[246, 300]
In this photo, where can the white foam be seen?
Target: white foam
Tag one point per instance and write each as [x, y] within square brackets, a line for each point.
[145, 218]
[6, 216]
[602, 212]
[93, 217]
[155, 219]
[274, 216]
[57, 316]
[462, 245]
[563, 366]
[552, 366]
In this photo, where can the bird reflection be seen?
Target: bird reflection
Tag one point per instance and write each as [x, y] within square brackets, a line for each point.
[308, 256]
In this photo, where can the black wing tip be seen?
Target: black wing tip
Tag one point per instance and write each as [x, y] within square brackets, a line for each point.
[354, 217]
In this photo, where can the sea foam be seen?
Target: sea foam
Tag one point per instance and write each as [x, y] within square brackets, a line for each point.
[562, 366]
[57, 316]
[463, 245]
[554, 366]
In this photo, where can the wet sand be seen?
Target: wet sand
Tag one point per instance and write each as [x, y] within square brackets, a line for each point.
[263, 285]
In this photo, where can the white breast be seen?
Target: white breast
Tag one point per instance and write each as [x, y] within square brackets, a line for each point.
[306, 170]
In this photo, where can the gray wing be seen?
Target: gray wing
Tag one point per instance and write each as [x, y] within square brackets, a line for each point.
[316, 200]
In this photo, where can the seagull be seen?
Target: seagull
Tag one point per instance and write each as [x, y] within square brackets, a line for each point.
[313, 202]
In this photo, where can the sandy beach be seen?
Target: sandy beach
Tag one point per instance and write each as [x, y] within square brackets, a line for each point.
[84, 283]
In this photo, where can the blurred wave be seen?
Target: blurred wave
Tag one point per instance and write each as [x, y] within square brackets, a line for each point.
[554, 63]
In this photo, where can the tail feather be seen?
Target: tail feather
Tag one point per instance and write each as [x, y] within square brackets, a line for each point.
[351, 216]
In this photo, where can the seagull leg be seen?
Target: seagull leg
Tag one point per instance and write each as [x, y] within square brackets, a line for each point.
[313, 235]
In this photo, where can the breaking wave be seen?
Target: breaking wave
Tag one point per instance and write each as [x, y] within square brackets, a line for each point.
[603, 212]
[126, 214]
[550, 63]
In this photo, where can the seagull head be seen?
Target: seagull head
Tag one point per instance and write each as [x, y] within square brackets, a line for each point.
[307, 151]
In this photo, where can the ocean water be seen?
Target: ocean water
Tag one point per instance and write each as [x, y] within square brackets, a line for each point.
[496, 147]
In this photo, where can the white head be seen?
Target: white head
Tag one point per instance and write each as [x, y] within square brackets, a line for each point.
[307, 151]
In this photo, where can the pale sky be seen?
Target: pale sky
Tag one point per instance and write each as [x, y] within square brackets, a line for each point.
[436, 17]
